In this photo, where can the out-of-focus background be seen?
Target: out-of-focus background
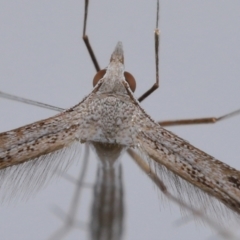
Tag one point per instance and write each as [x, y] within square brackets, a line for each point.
[42, 57]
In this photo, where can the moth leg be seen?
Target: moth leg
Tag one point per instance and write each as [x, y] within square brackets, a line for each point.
[168, 123]
[30, 102]
[86, 40]
[156, 41]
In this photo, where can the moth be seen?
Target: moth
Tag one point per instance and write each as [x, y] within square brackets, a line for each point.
[126, 58]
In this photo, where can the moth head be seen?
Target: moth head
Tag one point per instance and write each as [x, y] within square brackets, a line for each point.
[128, 77]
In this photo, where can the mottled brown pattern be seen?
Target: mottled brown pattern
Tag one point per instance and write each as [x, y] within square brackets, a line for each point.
[202, 170]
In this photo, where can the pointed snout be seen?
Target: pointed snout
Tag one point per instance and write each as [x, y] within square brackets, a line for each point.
[117, 54]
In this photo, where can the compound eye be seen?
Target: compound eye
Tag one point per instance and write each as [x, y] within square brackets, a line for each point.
[131, 81]
[99, 75]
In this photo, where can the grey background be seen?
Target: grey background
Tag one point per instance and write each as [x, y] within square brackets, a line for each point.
[42, 57]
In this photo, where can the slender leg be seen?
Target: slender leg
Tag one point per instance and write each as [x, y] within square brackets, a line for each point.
[198, 120]
[86, 40]
[30, 102]
[156, 40]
